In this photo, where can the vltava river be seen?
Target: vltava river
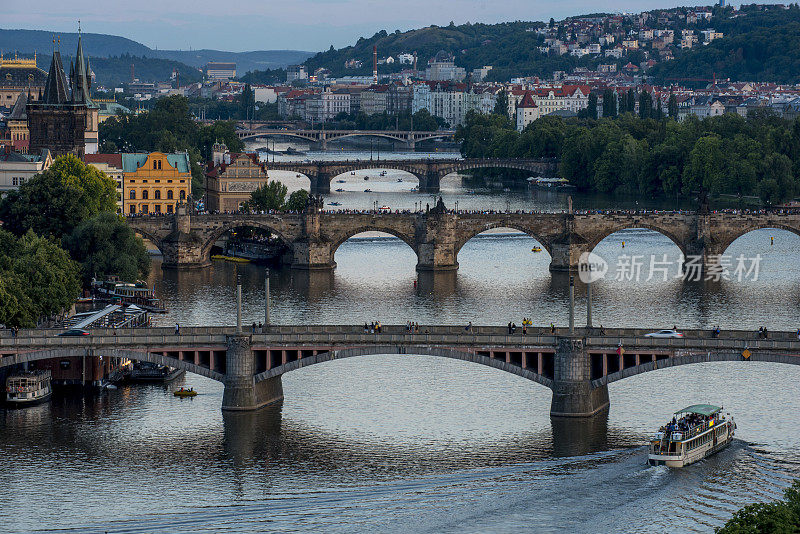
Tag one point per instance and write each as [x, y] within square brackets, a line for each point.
[412, 443]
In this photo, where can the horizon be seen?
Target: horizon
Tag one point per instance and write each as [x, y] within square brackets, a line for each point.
[345, 21]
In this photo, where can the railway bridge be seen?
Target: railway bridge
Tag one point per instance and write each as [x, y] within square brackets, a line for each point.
[429, 172]
[576, 366]
[437, 235]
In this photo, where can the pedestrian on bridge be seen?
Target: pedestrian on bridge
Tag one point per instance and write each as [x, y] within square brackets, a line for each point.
[177, 329]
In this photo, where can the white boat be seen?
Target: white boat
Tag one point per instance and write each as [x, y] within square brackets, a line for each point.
[25, 389]
[696, 432]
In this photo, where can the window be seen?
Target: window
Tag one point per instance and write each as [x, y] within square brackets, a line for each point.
[157, 164]
[158, 208]
[144, 195]
[132, 208]
[169, 194]
[169, 208]
[132, 196]
[144, 208]
[183, 195]
[158, 194]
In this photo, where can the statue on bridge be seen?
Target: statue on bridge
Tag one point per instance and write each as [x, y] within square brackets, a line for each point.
[439, 208]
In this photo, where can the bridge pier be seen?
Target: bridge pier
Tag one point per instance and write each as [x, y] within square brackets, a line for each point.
[573, 394]
[241, 392]
[436, 242]
[183, 249]
[565, 256]
[321, 184]
[429, 183]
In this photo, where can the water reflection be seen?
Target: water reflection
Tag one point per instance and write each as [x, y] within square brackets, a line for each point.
[578, 437]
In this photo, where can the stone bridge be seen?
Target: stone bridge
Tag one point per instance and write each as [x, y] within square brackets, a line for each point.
[429, 172]
[577, 367]
[321, 137]
[437, 236]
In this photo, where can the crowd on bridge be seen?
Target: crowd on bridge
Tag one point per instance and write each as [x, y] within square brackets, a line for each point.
[412, 211]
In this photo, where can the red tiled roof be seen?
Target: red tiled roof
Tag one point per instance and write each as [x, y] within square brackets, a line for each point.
[527, 101]
[112, 160]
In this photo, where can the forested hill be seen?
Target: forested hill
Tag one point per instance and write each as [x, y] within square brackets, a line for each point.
[758, 46]
[508, 47]
[101, 45]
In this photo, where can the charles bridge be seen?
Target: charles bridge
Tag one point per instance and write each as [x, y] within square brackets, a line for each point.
[437, 235]
[429, 172]
[577, 366]
[248, 131]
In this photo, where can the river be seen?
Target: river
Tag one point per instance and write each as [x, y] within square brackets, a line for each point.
[415, 443]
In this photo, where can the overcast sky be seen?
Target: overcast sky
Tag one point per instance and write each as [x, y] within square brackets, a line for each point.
[312, 25]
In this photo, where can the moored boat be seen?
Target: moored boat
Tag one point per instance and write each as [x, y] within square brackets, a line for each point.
[185, 392]
[695, 432]
[28, 388]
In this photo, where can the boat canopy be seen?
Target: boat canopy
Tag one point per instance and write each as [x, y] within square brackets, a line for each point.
[701, 409]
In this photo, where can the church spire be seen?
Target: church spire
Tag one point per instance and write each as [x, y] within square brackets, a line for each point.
[80, 79]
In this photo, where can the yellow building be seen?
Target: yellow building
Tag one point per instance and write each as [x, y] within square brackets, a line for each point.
[147, 183]
[155, 182]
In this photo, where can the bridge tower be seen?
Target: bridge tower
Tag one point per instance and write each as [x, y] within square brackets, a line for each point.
[241, 390]
[573, 394]
[321, 181]
[182, 247]
[311, 250]
[436, 240]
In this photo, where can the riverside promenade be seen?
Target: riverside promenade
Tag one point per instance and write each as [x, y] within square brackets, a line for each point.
[577, 366]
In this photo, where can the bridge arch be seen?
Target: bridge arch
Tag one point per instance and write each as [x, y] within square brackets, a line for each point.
[78, 352]
[731, 238]
[150, 237]
[350, 232]
[355, 133]
[500, 225]
[243, 223]
[248, 136]
[688, 359]
[415, 350]
[637, 225]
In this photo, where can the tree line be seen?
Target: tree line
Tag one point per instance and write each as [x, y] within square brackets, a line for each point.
[646, 156]
[59, 230]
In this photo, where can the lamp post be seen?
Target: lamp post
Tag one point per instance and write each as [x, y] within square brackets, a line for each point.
[266, 296]
[571, 305]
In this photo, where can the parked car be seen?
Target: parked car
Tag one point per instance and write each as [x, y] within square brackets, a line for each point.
[664, 333]
[74, 332]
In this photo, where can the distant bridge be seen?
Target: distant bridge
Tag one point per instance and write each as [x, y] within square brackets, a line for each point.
[576, 367]
[312, 237]
[429, 172]
[322, 137]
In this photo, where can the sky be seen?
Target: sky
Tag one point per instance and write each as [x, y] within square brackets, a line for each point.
[311, 25]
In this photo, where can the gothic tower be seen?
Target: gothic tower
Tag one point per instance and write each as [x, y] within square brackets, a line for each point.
[65, 119]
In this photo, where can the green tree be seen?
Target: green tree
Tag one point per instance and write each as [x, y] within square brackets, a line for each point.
[501, 104]
[297, 200]
[767, 518]
[37, 279]
[270, 196]
[672, 106]
[55, 201]
[591, 108]
[645, 105]
[705, 168]
[609, 103]
[631, 101]
[106, 245]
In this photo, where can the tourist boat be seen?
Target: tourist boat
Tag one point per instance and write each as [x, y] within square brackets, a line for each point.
[696, 432]
[152, 372]
[115, 290]
[28, 388]
[185, 392]
[385, 208]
